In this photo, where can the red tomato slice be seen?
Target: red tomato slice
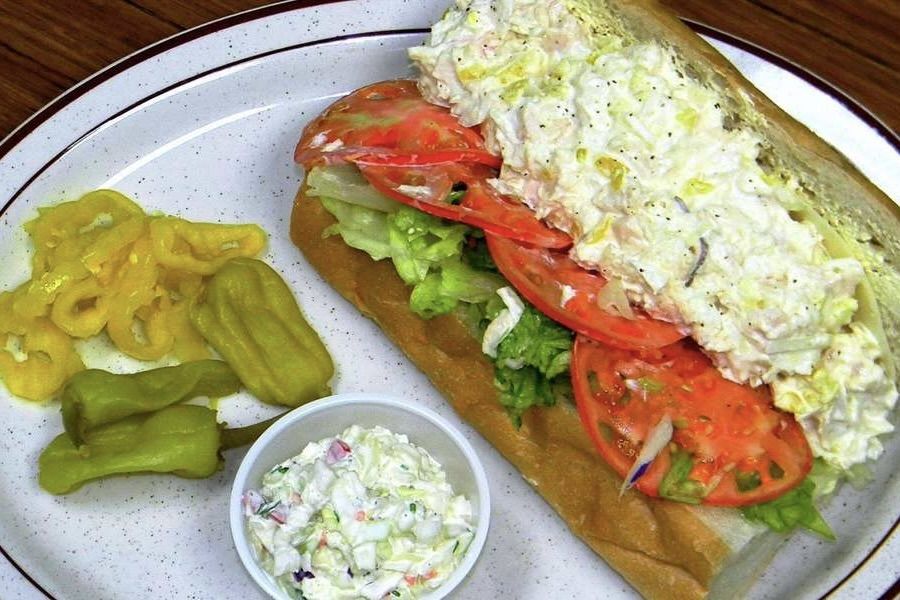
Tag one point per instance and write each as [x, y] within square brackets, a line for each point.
[436, 157]
[388, 115]
[428, 188]
[540, 274]
[742, 450]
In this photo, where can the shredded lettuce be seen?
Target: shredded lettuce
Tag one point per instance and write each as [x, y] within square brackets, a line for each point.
[454, 282]
[426, 251]
[420, 242]
[522, 388]
[532, 363]
[538, 342]
[346, 183]
[476, 254]
[362, 228]
[794, 509]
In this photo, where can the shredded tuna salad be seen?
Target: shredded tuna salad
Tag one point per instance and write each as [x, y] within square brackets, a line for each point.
[664, 195]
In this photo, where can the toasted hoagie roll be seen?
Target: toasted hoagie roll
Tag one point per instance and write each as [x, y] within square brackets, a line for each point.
[562, 92]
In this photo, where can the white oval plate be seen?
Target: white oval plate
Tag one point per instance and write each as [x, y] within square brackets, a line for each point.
[203, 125]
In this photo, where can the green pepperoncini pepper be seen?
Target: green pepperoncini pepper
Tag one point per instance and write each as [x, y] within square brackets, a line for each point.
[135, 423]
[94, 398]
[183, 439]
[251, 318]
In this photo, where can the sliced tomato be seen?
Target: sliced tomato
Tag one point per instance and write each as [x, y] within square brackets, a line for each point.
[730, 447]
[435, 157]
[389, 115]
[567, 293]
[428, 188]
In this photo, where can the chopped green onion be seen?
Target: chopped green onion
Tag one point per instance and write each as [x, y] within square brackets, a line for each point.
[266, 509]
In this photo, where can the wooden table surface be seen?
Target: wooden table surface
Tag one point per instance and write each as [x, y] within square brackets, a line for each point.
[46, 46]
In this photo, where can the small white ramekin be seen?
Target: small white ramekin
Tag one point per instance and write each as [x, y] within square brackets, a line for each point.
[330, 416]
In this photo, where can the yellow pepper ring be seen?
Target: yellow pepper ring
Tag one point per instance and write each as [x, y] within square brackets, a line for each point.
[72, 219]
[101, 262]
[48, 357]
[133, 324]
[111, 244]
[143, 336]
[39, 293]
[81, 309]
[202, 247]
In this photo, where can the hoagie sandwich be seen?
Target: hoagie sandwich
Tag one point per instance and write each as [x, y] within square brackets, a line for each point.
[660, 297]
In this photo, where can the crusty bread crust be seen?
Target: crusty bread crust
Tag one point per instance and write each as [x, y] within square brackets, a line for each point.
[662, 548]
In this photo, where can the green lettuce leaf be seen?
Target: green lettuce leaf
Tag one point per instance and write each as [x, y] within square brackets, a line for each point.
[426, 251]
[420, 242]
[443, 289]
[362, 228]
[538, 342]
[450, 269]
[476, 254]
[347, 184]
[532, 363]
[790, 511]
[520, 389]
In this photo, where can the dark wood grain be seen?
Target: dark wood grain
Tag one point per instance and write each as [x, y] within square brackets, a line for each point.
[853, 44]
[48, 46]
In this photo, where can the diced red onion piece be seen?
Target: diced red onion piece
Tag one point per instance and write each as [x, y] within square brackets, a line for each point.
[251, 500]
[337, 451]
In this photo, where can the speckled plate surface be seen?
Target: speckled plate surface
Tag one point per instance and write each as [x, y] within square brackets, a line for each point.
[203, 125]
